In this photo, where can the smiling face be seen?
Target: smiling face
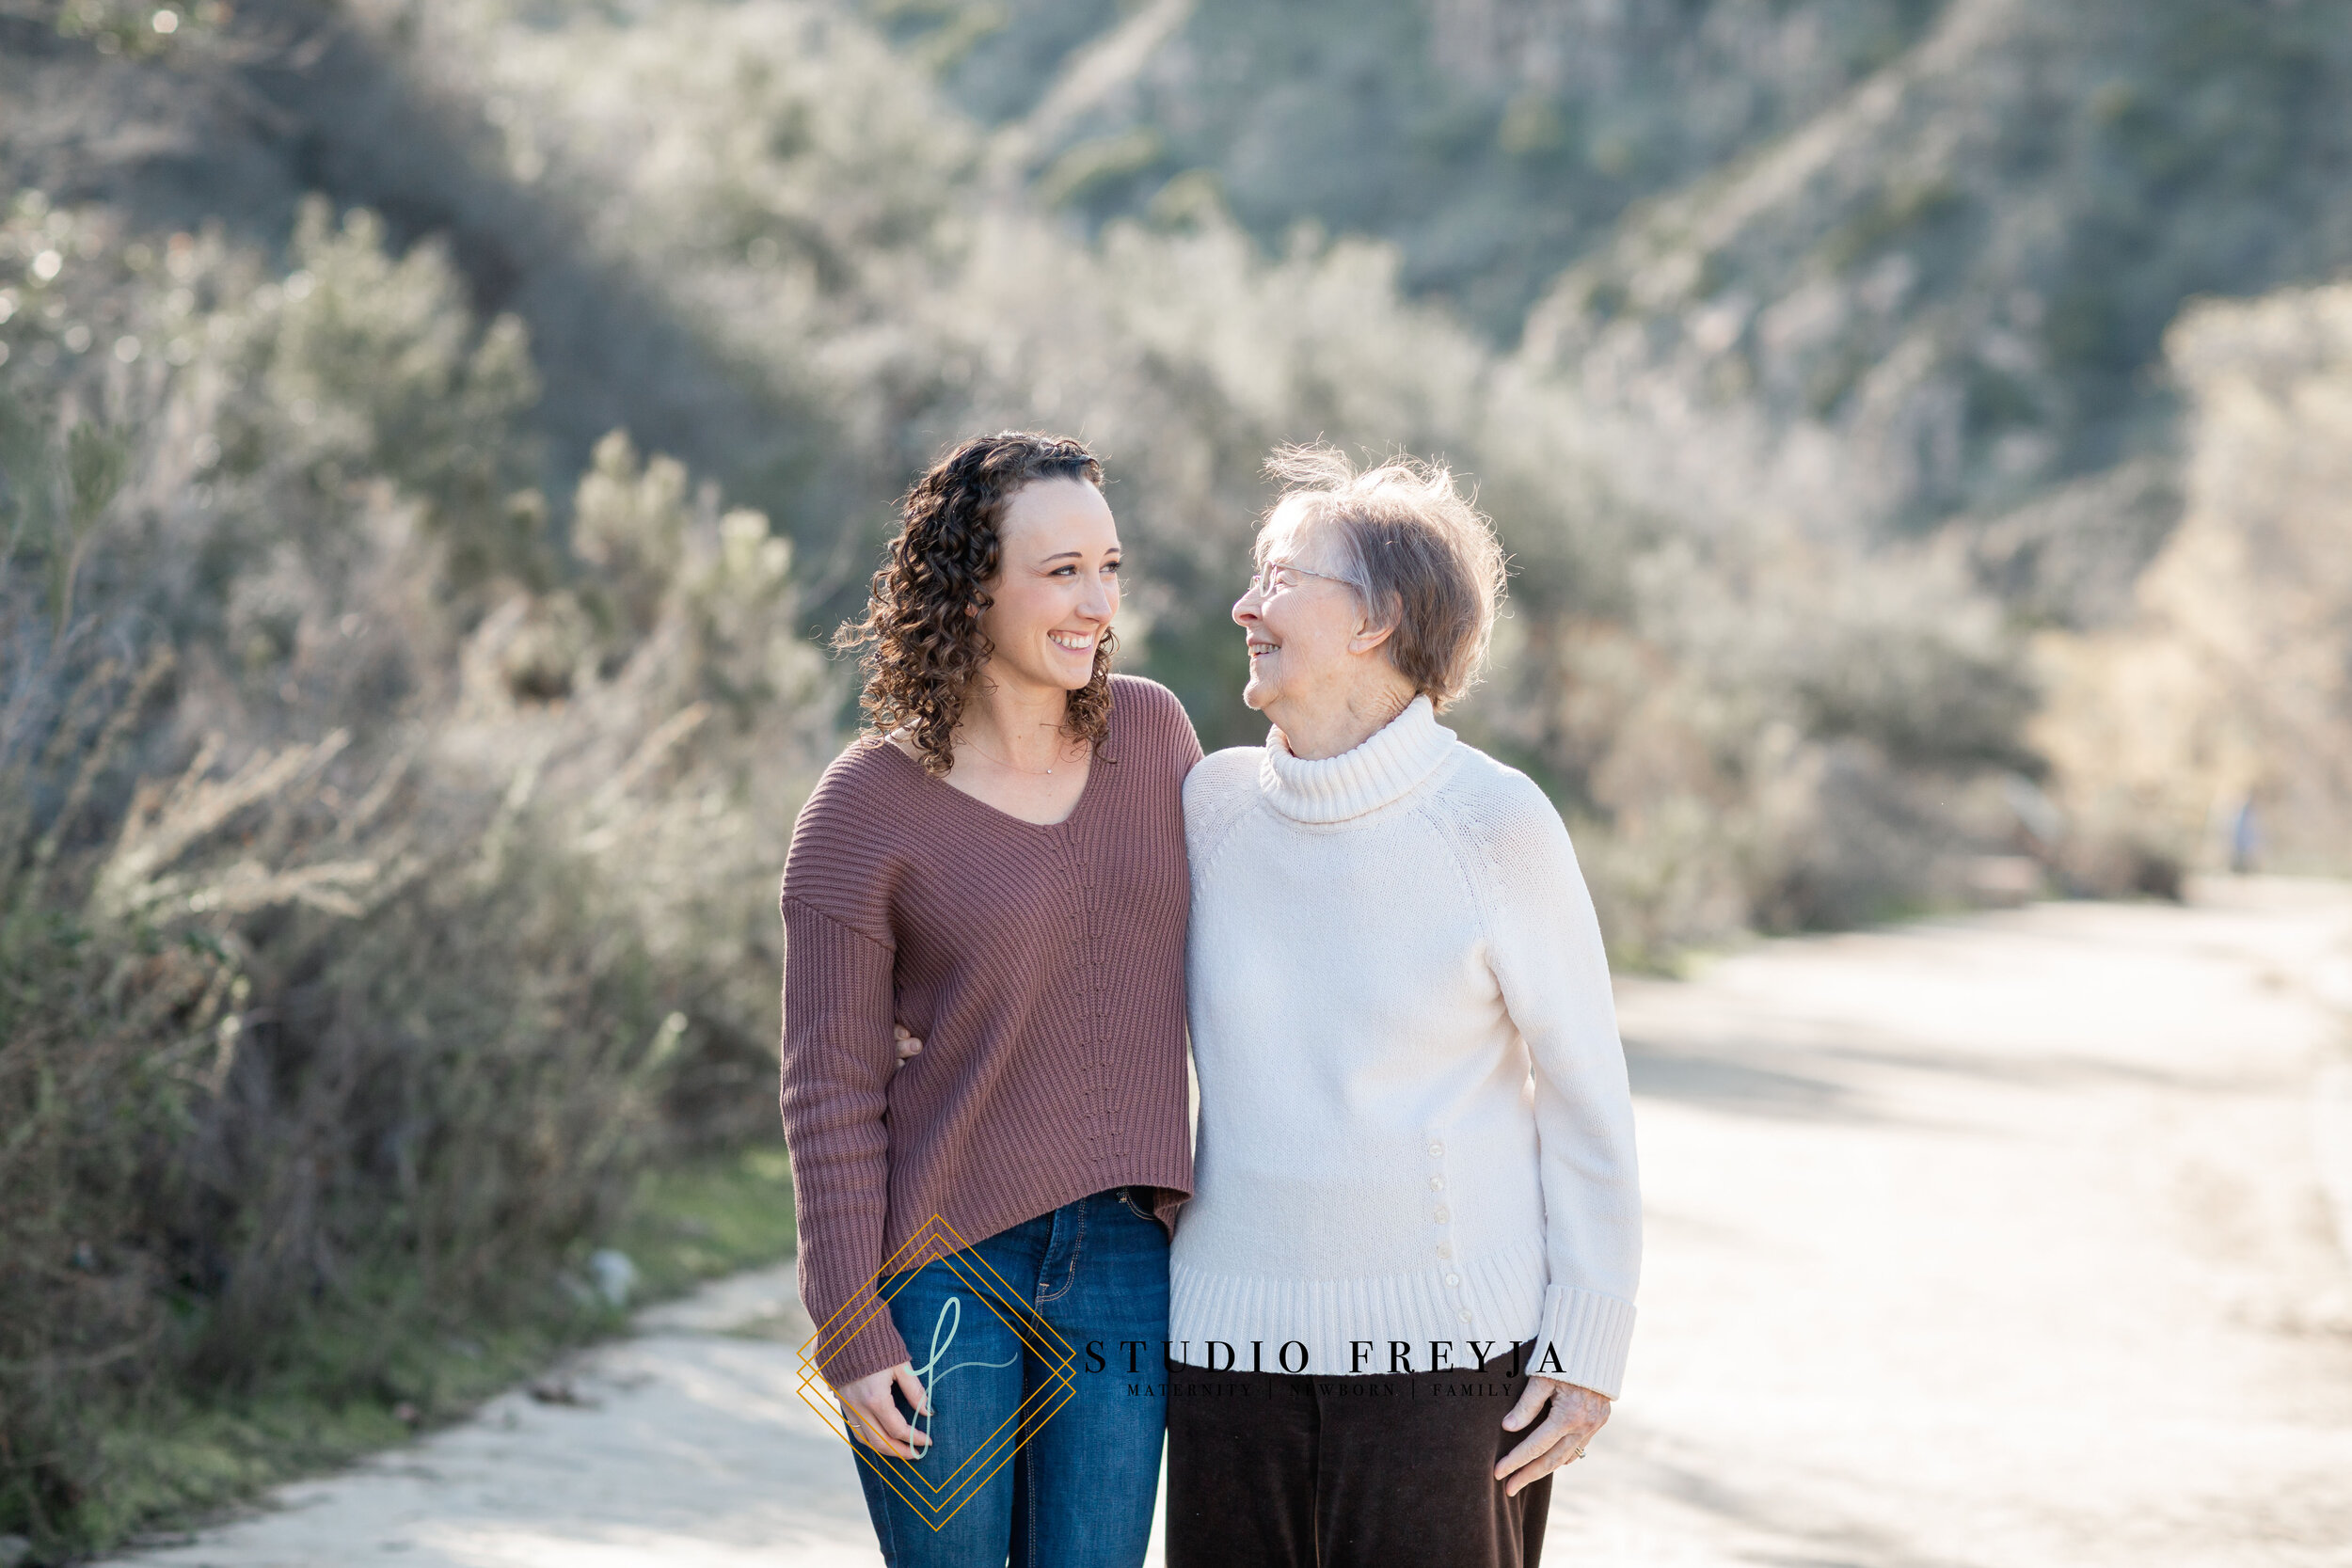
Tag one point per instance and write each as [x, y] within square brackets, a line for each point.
[1056, 590]
[1305, 632]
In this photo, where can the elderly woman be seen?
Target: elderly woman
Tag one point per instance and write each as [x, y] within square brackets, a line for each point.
[1402, 1293]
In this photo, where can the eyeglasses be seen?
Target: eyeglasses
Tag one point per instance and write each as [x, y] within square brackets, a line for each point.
[1268, 581]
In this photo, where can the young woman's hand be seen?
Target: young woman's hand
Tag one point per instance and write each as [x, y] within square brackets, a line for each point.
[873, 1415]
[908, 1044]
[1576, 1413]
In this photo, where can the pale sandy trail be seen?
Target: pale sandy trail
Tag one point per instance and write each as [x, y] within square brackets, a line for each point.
[1994, 1242]
[1998, 1242]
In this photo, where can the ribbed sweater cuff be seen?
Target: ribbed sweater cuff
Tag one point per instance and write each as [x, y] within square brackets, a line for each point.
[858, 1340]
[1588, 1335]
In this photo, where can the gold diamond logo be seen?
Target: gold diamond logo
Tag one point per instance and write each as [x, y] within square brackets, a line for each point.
[933, 1497]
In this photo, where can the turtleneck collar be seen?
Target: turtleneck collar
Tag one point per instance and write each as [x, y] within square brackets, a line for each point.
[1385, 768]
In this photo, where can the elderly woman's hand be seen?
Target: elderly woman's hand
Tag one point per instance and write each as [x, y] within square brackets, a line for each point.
[1576, 1413]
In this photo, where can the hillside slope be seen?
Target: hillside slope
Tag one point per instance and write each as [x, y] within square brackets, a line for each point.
[230, 122]
[1491, 141]
[1947, 293]
[1872, 266]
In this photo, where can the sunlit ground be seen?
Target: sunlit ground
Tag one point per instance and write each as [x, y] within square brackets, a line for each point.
[2002, 1241]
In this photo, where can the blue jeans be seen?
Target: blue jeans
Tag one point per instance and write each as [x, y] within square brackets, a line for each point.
[1041, 1349]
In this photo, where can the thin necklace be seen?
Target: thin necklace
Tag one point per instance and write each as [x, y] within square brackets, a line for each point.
[1001, 762]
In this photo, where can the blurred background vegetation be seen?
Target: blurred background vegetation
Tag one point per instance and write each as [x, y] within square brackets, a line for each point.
[435, 437]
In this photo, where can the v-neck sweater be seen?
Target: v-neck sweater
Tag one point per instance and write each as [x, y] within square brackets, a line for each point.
[1042, 967]
[1416, 1130]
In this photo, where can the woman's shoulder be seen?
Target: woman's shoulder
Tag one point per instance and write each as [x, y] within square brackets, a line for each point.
[1223, 778]
[1150, 714]
[1135, 697]
[865, 772]
[1500, 811]
[1514, 852]
[857, 807]
[1219, 794]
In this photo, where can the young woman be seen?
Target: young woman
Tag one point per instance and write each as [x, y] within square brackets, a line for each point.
[1410, 1261]
[999, 867]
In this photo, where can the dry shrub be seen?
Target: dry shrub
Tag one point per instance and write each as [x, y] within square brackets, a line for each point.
[1775, 733]
[384, 884]
[2234, 681]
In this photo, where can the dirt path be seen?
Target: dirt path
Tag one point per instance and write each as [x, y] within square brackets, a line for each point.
[1999, 1241]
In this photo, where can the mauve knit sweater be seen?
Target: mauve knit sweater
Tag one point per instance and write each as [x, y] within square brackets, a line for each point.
[1043, 969]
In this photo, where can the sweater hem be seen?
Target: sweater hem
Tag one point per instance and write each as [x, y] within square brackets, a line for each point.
[969, 1231]
[1495, 1299]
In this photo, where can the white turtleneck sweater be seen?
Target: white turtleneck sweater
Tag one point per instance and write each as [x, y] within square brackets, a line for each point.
[1415, 1129]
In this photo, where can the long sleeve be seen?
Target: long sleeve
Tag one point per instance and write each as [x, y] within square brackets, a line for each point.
[1546, 949]
[838, 1058]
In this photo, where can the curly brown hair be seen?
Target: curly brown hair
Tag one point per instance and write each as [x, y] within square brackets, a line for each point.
[921, 633]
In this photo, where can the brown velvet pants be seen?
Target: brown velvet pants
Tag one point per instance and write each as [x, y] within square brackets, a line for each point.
[1266, 1470]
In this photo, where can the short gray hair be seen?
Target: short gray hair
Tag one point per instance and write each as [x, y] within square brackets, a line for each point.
[1415, 548]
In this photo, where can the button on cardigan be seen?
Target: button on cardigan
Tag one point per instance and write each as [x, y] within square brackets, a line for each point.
[1415, 1125]
[1043, 966]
